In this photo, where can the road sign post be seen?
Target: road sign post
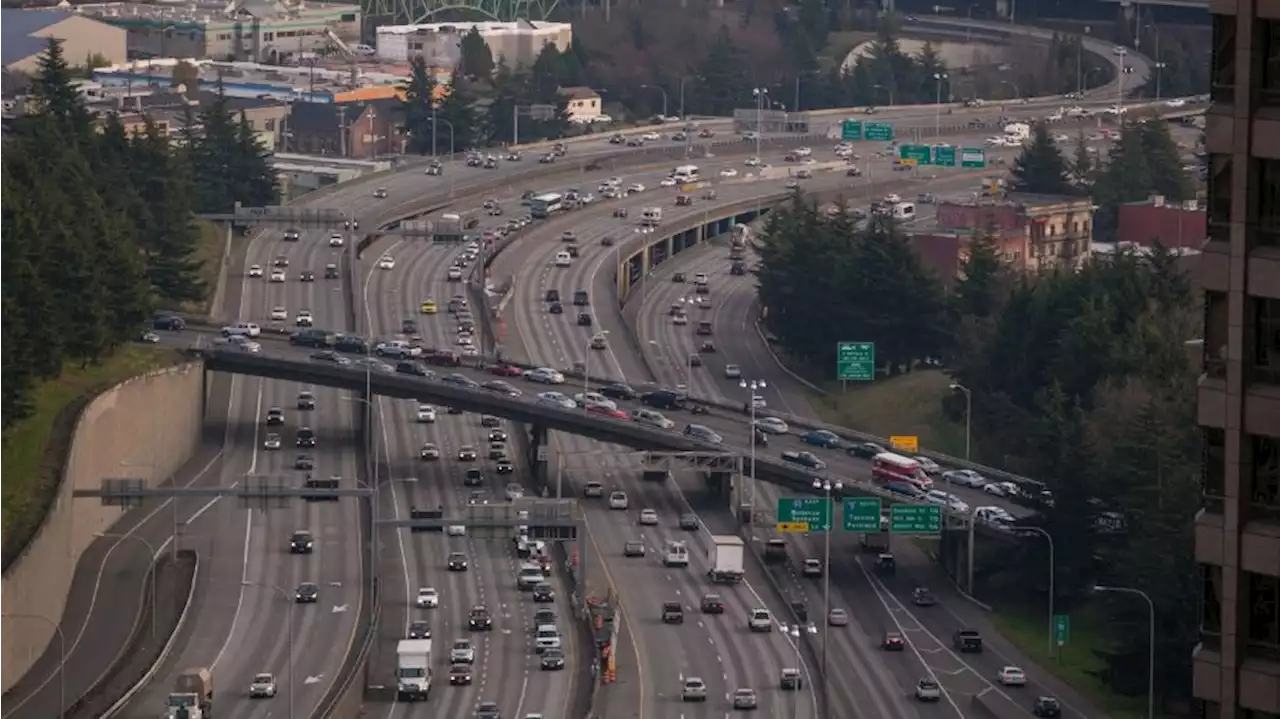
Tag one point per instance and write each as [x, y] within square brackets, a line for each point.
[1061, 629]
[878, 131]
[944, 156]
[851, 130]
[862, 514]
[908, 443]
[803, 514]
[915, 519]
[975, 157]
[856, 361]
[921, 154]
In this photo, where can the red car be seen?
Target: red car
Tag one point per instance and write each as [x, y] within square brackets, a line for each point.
[506, 370]
[607, 411]
[893, 642]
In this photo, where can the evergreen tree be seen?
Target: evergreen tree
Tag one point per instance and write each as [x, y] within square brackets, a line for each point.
[55, 96]
[256, 182]
[1040, 167]
[168, 238]
[1126, 178]
[722, 79]
[416, 108]
[477, 60]
[457, 110]
[1082, 165]
[1164, 160]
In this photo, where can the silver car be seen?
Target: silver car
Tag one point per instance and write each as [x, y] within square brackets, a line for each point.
[263, 686]
[745, 699]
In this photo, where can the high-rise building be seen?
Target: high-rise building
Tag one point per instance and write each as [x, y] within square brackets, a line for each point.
[1237, 534]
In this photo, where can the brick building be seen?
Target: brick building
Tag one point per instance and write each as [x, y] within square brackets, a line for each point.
[1154, 220]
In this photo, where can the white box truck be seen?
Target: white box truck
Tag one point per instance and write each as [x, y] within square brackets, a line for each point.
[727, 557]
[413, 670]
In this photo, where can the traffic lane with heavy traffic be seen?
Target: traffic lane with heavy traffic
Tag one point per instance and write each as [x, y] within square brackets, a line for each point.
[493, 570]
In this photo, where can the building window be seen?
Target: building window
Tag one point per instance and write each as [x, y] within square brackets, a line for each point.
[269, 125]
[1219, 198]
[350, 17]
[1267, 211]
[1266, 340]
[1223, 67]
[1210, 599]
[1269, 60]
[1215, 334]
[1208, 709]
[1264, 477]
[1213, 468]
[1261, 595]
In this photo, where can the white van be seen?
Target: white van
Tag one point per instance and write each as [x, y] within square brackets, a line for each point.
[904, 211]
[651, 216]
[677, 555]
[685, 173]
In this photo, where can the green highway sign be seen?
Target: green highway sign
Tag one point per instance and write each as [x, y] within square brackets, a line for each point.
[944, 156]
[1061, 629]
[856, 361]
[973, 157]
[915, 519]
[851, 130]
[862, 514]
[813, 511]
[878, 131]
[921, 154]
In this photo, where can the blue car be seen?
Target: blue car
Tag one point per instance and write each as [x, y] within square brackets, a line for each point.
[822, 438]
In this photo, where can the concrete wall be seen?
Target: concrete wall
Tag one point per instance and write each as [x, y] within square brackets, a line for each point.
[146, 427]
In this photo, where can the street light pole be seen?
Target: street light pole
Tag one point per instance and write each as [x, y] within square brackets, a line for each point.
[1151, 649]
[62, 656]
[968, 416]
[1052, 572]
[795, 635]
[683, 80]
[937, 106]
[752, 386]
[292, 601]
[826, 488]
[586, 365]
[151, 569]
[662, 90]
[761, 95]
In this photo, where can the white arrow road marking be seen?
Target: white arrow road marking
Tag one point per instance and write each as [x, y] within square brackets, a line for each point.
[339, 608]
[313, 680]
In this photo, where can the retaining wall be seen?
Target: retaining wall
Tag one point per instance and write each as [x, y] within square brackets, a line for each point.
[146, 427]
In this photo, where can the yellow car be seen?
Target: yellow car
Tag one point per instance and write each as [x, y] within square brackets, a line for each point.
[428, 307]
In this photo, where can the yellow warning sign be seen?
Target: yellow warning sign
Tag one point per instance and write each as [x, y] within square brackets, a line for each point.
[785, 527]
[905, 443]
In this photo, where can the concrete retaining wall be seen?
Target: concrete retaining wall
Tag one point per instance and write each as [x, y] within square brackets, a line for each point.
[146, 427]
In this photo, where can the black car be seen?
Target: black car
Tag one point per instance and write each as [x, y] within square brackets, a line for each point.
[689, 522]
[419, 630]
[480, 620]
[413, 368]
[712, 604]
[1046, 707]
[473, 478]
[311, 338]
[552, 296]
[275, 416]
[662, 399]
[489, 421]
[172, 323]
[865, 450]
[457, 562]
[461, 380]
[460, 674]
[306, 437]
[738, 268]
[618, 390]
[677, 277]
[501, 387]
[504, 466]
[301, 542]
[556, 308]
[408, 327]
[304, 462]
[489, 710]
[672, 613]
[307, 276]
[306, 593]
[497, 435]
[552, 660]
[331, 272]
[543, 593]
[584, 319]
[329, 356]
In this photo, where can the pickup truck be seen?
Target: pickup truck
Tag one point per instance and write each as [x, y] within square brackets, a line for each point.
[805, 459]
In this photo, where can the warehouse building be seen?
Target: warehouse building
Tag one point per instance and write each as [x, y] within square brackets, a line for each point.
[26, 34]
[518, 43]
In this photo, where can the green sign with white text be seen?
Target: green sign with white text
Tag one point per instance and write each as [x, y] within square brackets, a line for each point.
[862, 514]
[856, 361]
[944, 156]
[920, 154]
[973, 157]
[812, 511]
[878, 131]
[851, 130]
[915, 519]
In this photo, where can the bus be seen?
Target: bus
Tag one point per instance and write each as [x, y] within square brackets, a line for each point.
[889, 467]
[685, 173]
[543, 206]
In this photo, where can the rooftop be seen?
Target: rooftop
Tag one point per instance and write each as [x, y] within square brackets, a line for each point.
[485, 28]
[210, 11]
[18, 28]
[300, 77]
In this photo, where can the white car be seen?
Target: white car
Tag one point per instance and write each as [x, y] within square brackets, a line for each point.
[653, 418]
[993, 515]
[455, 274]
[272, 441]
[428, 598]
[585, 398]
[760, 621]
[928, 690]
[651, 137]
[255, 270]
[563, 259]
[729, 172]
[752, 162]
[465, 340]
[701, 279]
[462, 652]
[618, 500]
[635, 189]
[336, 239]
[680, 320]
[426, 413]
[732, 371]
[556, 399]
[1061, 138]
[456, 530]
[928, 466]
[544, 375]
[1120, 50]
[1001, 489]
[1012, 677]
[668, 182]
[304, 318]
[803, 151]
[279, 313]
[277, 276]
[1176, 102]
[513, 492]
[964, 478]
[263, 686]
[387, 262]
[772, 425]
[648, 517]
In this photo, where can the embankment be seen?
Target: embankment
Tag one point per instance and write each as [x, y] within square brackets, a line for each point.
[145, 427]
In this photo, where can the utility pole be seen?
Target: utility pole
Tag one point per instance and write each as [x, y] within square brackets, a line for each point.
[342, 128]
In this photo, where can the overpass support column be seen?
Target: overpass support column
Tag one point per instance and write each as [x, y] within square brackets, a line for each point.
[539, 451]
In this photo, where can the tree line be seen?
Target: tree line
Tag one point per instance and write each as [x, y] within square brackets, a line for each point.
[1078, 379]
[98, 226]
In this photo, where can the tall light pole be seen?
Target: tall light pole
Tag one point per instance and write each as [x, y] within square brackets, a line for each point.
[683, 80]
[1017, 91]
[1053, 569]
[752, 387]
[151, 569]
[1159, 64]
[795, 632]
[826, 488]
[62, 655]
[586, 363]
[292, 601]
[968, 416]
[888, 91]
[434, 121]
[938, 78]
[662, 90]
[761, 94]
[1151, 649]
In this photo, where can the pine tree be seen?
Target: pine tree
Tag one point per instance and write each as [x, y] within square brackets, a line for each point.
[457, 110]
[1040, 167]
[255, 178]
[476, 58]
[169, 239]
[55, 96]
[417, 106]
[1164, 160]
[1082, 165]
[723, 83]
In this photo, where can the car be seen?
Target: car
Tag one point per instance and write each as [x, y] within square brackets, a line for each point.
[928, 690]
[546, 638]
[652, 418]
[556, 399]
[263, 686]
[618, 500]
[837, 617]
[745, 699]
[648, 517]
[712, 604]
[275, 416]
[893, 642]
[544, 375]
[1001, 489]
[279, 313]
[457, 562]
[306, 593]
[633, 548]
[760, 620]
[563, 259]
[1012, 676]
[865, 450]
[689, 522]
[462, 652]
[255, 270]
[772, 425]
[821, 438]
[964, 478]
[728, 172]
[489, 710]
[513, 492]
[429, 452]
[593, 489]
[804, 459]
[473, 478]
[703, 433]
[504, 466]
[543, 593]
[790, 680]
[732, 371]
[811, 568]
[426, 413]
[1046, 707]
[552, 660]
[694, 690]
[380, 193]
[928, 466]
[331, 272]
[428, 598]
[460, 675]
[489, 421]
[922, 597]
[301, 542]
[967, 640]
[418, 629]
[271, 441]
[304, 318]
[467, 453]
